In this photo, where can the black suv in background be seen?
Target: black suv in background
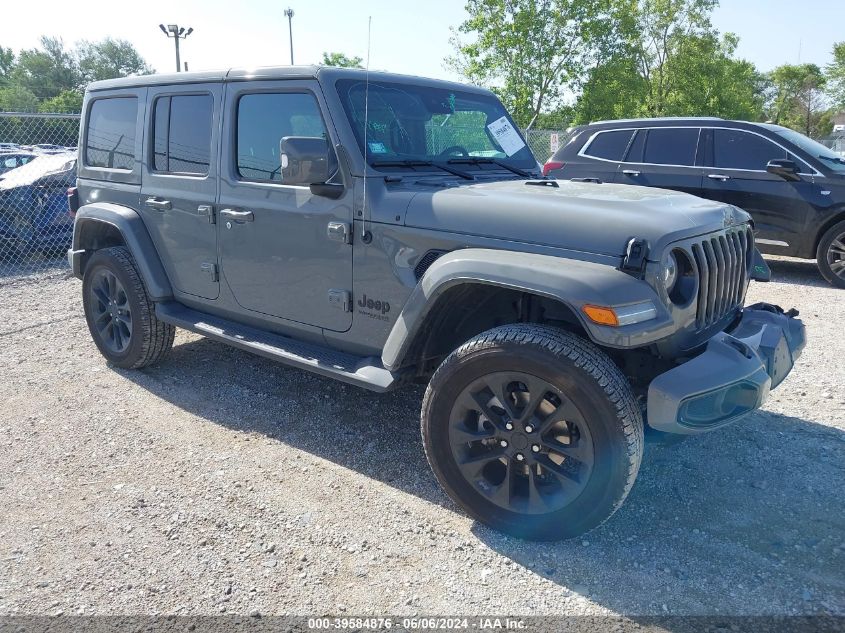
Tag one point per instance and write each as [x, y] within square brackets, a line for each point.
[793, 187]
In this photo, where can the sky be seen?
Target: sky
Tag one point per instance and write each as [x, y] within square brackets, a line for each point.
[408, 36]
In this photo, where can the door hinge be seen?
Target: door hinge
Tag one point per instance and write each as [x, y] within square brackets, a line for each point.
[210, 270]
[341, 299]
[339, 232]
[208, 211]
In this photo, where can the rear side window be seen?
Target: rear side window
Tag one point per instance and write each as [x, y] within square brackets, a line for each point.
[609, 145]
[182, 134]
[735, 149]
[671, 146]
[110, 139]
[263, 120]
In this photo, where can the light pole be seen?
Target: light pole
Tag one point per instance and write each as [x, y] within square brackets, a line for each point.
[173, 31]
[289, 16]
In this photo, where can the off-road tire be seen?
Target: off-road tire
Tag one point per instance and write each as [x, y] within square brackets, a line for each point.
[150, 339]
[588, 378]
[836, 231]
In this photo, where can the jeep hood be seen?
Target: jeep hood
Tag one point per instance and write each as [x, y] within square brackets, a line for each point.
[587, 217]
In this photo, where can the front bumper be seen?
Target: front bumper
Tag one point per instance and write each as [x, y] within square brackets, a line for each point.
[732, 377]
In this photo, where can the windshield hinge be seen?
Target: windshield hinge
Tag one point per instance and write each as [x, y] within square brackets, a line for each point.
[636, 253]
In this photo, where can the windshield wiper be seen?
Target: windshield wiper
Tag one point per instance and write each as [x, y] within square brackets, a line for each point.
[833, 159]
[422, 163]
[475, 160]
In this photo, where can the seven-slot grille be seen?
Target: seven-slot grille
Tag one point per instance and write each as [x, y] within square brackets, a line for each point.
[724, 266]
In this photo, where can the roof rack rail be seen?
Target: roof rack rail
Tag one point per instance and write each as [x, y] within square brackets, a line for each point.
[661, 118]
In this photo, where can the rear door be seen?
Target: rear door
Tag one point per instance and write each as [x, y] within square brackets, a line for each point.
[737, 175]
[179, 184]
[665, 157]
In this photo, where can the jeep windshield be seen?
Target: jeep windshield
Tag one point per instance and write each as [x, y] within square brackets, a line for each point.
[419, 127]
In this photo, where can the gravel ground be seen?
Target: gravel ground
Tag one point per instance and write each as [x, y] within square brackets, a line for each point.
[222, 482]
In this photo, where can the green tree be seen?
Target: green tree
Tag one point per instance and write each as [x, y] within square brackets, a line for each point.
[47, 71]
[656, 35]
[613, 90]
[67, 101]
[671, 62]
[108, 59]
[796, 98]
[707, 80]
[17, 99]
[7, 65]
[836, 77]
[341, 61]
[531, 52]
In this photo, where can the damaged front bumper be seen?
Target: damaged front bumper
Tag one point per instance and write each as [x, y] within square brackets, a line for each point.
[731, 377]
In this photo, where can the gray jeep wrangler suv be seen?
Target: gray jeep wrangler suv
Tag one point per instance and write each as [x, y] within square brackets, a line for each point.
[381, 229]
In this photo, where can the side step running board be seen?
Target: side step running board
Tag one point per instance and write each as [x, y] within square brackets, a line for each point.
[355, 370]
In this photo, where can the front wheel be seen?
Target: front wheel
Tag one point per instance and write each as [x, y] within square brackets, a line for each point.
[831, 255]
[533, 431]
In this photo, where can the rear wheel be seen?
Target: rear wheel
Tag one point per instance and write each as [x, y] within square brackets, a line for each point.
[120, 315]
[533, 431]
[831, 255]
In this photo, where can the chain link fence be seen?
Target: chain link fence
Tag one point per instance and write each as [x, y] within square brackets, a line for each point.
[836, 142]
[37, 165]
[544, 143]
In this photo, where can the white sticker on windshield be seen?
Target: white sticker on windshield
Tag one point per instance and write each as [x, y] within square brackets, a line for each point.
[377, 148]
[506, 136]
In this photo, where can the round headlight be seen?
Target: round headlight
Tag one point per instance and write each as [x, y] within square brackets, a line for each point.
[669, 271]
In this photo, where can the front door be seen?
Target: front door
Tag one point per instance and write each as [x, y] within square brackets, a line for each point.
[179, 184]
[277, 255]
[738, 176]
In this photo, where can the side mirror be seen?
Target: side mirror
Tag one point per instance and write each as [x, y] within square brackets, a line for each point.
[308, 160]
[786, 169]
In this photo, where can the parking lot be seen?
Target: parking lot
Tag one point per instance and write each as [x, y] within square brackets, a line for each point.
[222, 482]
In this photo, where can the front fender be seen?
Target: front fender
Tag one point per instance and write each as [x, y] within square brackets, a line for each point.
[92, 228]
[573, 283]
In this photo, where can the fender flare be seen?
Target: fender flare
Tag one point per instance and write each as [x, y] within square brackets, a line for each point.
[135, 236]
[573, 283]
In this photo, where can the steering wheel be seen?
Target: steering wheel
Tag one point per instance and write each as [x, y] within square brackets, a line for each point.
[449, 151]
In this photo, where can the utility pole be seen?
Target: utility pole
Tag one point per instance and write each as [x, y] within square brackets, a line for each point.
[289, 16]
[173, 31]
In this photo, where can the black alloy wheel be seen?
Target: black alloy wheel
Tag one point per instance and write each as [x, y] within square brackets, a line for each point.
[111, 311]
[521, 442]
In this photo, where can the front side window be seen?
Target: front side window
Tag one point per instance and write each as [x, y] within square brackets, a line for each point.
[831, 159]
[609, 145]
[110, 138]
[264, 119]
[182, 134]
[420, 123]
[735, 149]
[671, 146]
